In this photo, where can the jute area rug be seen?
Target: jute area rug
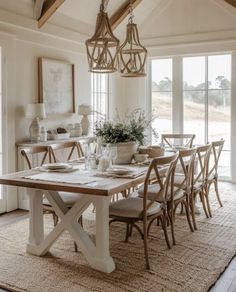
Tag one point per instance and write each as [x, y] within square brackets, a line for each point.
[194, 264]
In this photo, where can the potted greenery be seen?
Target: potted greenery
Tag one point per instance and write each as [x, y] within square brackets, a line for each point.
[126, 134]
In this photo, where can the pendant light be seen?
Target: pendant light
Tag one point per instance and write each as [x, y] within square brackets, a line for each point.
[132, 54]
[103, 47]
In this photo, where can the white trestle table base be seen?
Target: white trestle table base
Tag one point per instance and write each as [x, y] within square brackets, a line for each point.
[97, 255]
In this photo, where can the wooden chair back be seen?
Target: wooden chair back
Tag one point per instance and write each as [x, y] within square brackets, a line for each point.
[187, 166]
[72, 146]
[166, 182]
[217, 147]
[27, 152]
[185, 140]
[202, 160]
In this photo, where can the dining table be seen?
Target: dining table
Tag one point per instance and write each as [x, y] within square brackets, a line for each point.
[93, 187]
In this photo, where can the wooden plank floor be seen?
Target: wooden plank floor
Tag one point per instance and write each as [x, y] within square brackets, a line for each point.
[226, 283]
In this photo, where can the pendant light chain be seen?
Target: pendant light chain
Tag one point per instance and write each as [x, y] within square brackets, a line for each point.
[131, 12]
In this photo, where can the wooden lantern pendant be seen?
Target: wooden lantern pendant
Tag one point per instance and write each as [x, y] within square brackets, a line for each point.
[103, 47]
[132, 54]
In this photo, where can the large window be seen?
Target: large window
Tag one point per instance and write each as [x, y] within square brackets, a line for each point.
[194, 97]
[203, 86]
[207, 97]
[100, 92]
[162, 95]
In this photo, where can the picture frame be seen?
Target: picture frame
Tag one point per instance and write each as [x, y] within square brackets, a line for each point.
[56, 85]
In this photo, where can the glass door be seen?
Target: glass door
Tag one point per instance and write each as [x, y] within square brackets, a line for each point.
[2, 194]
[207, 102]
[219, 107]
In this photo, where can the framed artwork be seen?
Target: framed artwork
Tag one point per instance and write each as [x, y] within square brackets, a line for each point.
[56, 86]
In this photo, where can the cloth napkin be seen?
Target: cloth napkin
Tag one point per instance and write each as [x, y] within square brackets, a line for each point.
[134, 174]
[71, 178]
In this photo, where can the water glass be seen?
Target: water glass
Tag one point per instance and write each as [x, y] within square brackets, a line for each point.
[87, 154]
[112, 154]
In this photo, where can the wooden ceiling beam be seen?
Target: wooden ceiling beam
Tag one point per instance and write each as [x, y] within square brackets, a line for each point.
[231, 2]
[122, 12]
[38, 8]
[49, 8]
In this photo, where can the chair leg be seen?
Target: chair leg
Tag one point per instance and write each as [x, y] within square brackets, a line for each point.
[171, 217]
[81, 220]
[75, 247]
[188, 214]
[149, 225]
[206, 194]
[203, 203]
[217, 192]
[164, 226]
[192, 205]
[139, 230]
[127, 232]
[130, 230]
[55, 218]
[145, 243]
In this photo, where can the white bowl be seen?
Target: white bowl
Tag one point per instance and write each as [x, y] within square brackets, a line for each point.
[140, 157]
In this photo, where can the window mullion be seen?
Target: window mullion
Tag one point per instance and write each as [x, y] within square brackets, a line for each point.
[206, 99]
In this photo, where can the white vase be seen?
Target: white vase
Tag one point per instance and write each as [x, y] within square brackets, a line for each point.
[85, 125]
[34, 130]
[125, 152]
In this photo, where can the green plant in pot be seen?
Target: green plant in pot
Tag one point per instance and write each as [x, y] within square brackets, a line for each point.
[126, 134]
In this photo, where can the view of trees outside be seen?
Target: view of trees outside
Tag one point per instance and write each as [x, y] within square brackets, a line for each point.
[99, 91]
[211, 96]
[206, 103]
[162, 95]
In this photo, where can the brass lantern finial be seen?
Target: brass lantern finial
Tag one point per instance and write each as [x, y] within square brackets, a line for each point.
[103, 46]
[132, 54]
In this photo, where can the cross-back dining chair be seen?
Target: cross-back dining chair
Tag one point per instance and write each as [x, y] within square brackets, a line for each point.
[182, 189]
[183, 183]
[212, 174]
[199, 179]
[29, 153]
[144, 209]
[32, 157]
[172, 140]
[72, 147]
[68, 198]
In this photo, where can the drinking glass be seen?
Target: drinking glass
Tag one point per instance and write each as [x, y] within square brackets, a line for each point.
[112, 154]
[87, 153]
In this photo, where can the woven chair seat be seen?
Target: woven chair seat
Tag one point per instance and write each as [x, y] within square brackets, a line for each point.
[155, 192]
[132, 208]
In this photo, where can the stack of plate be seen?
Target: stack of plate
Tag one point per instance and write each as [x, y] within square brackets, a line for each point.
[119, 170]
[61, 167]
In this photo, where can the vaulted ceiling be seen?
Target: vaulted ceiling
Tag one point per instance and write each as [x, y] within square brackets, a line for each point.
[78, 9]
[161, 22]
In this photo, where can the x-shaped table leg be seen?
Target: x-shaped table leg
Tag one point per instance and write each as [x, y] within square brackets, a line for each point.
[97, 255]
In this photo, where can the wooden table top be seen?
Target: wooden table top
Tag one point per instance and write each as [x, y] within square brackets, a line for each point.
[102, 186]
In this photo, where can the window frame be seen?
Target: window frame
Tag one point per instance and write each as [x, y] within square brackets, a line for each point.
[178, 100]
[97, 92]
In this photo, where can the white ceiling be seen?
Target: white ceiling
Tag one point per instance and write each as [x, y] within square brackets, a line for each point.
[85, 11]
[155, 18]
[80, 15]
